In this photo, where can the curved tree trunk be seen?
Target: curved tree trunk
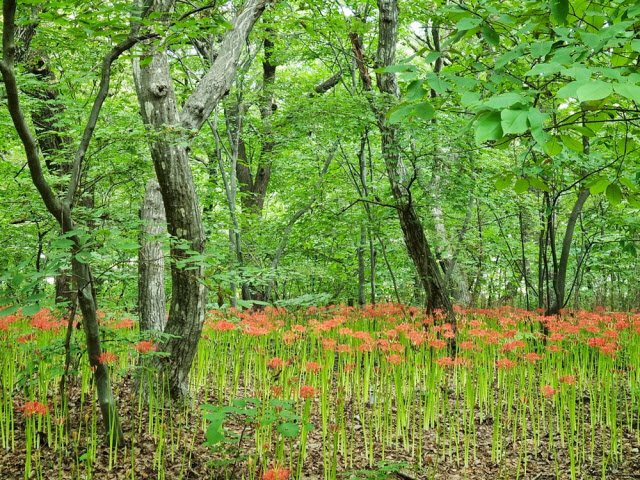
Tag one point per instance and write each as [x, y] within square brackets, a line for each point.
[169, 150]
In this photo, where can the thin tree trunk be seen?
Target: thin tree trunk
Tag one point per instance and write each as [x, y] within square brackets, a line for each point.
[151, 292]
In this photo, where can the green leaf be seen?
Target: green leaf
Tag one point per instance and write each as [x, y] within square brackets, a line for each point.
[9, 311]
[488, 127]
[439, 85]
[540, 49]
[394, 69]
[424, 110]
[83, 257]
[572, 143]
[560, 10]
[571, 88]
[514, 121]
[490, 35]
[214, 435]
[432, 57]
[415, 90]
[628, 90]
[468, 23]
[553, 147]
[539, 184]
[635, 45]
[503, 182]
[289, 429]
[399, 112]
[63, 243]
[614, 194]
[594, 90]
[31, 309]
[507, 100]
[521, 186]
[545, 69]
[598, 186]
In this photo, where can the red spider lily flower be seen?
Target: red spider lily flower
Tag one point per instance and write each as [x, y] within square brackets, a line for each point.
[611, 334]
[299, 328]
[275, 363]
[437, 343]
[448, 334]
[466, 346]
[554, 348]
[395, 359]
[510, 346]
[596, 342]
[568, 379]
[106, 357]
[289, 337]
[621, 325]
[532, 357]
[276, 474]
[396, 347]
[26, 338]
[307, 391]
[365, 347]
[349, 367]
[445, 362]
[417, 338]
[312, 367]
[145, 347]
[31, 408]
[343, 349]
[222, 325]
[276, 390]
[557, 337]
[505, 363]
[548, 391]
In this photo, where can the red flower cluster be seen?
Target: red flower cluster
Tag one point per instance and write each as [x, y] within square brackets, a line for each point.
[31, 408]
[145, 347]
[548, 391]
[276, 474]
[276, 363]
[106, 357]
[307, 391]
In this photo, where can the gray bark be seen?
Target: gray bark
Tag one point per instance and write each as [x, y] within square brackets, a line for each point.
[151, 292]
[169, 150]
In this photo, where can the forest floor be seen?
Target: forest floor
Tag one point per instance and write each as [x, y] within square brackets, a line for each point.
[192, 460]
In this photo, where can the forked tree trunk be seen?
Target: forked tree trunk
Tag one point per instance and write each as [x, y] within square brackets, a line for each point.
[169, 150]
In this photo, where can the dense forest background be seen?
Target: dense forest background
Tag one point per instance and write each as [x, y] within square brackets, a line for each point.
[507, 115]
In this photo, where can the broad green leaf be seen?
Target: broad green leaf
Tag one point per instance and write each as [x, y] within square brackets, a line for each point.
[572, 143]
[560, 10]
[394, 69]
[540, 49]
[536, 122]
[31, 309]
[424, 110]
[289, 429]
[635, 45]
[545, 69]
[614, 194]
[439, 85]
[552, 147]
[506, 100]
[83, 257]
[521, 186]
[468, 23]
[594, 90]
[432, 57]
[634, 201]
[570, 89]
[469, 98]
[503, 182]
[415, 90]
[399, 112]
[490, 35]
[488, 127]
[214, 435]
[9, 310]
[539, 184]
[628, 90]
[599, 186]
[514, 121]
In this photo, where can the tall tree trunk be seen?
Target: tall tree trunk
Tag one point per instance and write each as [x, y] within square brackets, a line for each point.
[415, 239]
[361, 277]
[169, 150]
[151, 293]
